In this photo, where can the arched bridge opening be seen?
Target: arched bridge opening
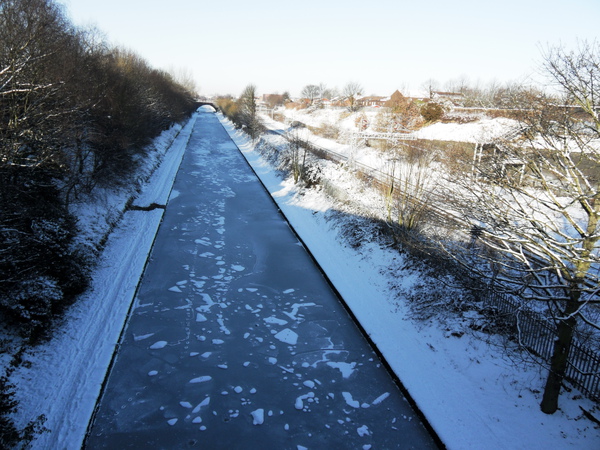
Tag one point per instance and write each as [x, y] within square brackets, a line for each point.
[208, 104]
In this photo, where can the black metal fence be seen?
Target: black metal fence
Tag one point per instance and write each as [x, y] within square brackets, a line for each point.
[537, 334]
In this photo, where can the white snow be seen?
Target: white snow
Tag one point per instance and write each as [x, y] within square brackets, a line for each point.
[481, 131]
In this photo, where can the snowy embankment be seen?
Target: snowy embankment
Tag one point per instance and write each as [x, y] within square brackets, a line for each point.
[64, 378]
[472, 393]
[481, 131]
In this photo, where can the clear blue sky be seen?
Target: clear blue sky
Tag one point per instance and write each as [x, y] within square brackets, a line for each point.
[281, 45]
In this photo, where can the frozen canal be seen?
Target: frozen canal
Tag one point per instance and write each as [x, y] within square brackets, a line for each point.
[235, 339]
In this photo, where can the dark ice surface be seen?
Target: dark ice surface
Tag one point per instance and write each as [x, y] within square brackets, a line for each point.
[235, 339]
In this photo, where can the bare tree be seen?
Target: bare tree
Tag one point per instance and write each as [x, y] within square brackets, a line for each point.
[458, 85]
[325, 92]
[297, 149]
[411, 184]
[184, 76]
[249, 111]
[274, 100]
[351, 92]
[431, 86]
[311, 92]
[542, 227]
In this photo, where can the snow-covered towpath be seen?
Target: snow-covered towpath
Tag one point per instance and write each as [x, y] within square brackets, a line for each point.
[235, 339]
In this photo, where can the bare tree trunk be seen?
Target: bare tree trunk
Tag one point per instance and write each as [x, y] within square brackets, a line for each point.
[560, 355]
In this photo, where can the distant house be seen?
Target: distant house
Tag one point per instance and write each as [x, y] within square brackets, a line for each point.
[339, 102]
[395, 100]
[455, 98]
[372, 101]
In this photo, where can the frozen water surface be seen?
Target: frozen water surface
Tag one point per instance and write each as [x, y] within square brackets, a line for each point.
[250, 347]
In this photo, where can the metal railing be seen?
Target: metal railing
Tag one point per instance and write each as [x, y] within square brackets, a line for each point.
[537, 335]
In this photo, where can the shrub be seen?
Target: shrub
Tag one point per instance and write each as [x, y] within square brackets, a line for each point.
[10, 435]
[432, 112]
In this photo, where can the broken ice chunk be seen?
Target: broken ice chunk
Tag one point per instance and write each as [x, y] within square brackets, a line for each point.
[349, 400]
[258, 416]
[158, 344]
[287, 336]
[201, 379]
[381, 398]
[363, 431]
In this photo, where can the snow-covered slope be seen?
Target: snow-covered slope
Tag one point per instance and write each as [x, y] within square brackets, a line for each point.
[482, 130]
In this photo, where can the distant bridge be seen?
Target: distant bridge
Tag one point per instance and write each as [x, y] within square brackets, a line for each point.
[407, 136]
[207, 104]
